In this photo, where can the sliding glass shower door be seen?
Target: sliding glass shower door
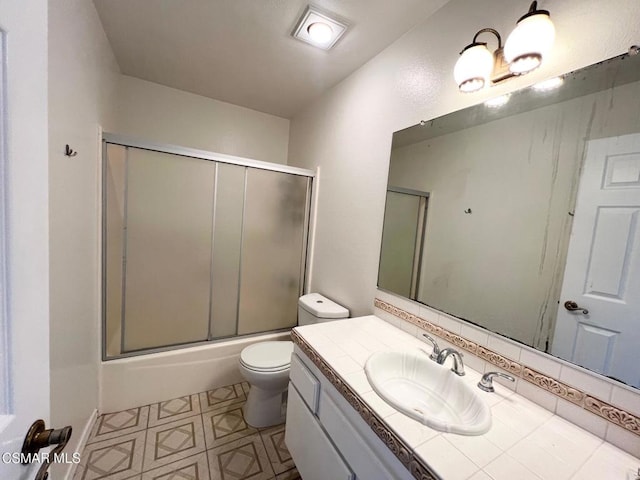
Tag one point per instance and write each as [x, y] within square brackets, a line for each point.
[198, 250]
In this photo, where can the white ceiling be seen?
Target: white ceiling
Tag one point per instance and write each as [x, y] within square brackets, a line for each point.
[241, 51]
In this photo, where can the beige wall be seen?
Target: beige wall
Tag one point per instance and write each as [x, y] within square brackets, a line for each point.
[86, 92]
[82, 82]
[502, 265]
[153, 112]
[348, 130]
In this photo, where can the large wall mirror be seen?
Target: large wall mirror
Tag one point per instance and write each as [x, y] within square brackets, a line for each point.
[531, 228]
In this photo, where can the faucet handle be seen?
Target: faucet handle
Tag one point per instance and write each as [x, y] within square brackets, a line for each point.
[486, 382]
[436, 349]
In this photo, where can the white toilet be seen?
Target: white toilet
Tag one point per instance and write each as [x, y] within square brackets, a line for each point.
[265, 365]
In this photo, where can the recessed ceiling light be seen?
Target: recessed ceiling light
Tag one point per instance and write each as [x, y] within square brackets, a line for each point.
[320, 32]
[548, 84]
[319, 29]
[497, 101]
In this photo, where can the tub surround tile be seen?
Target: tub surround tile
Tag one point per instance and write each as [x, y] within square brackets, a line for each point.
[541, 371]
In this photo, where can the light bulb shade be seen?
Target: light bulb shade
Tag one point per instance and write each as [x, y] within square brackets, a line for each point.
[529, 42]
[473, 69]
[320, 32]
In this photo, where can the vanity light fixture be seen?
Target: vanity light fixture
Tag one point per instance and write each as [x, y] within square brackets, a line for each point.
[523, 52]
[319, 28]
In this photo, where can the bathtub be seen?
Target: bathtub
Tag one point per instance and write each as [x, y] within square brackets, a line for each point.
[131, 382]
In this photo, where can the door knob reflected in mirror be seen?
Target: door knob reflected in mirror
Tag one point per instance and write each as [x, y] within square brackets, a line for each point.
[573, 307]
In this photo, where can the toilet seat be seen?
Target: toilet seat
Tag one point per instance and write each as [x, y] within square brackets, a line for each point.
[267, 356]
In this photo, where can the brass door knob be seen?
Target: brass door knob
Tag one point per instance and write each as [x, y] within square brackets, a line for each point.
[573, 307]
[38, 437]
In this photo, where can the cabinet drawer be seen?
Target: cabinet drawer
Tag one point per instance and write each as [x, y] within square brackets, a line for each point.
[306, 383]
[313, 453]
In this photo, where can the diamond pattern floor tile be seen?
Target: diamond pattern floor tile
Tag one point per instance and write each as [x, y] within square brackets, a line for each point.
[173, 441]
[114, 425]
[115, 459]
[226, 425]
[241, 459]
[289, 475]
[190, 468]
[279, 456]
[222, 397]
[195, 437]
[174, 409]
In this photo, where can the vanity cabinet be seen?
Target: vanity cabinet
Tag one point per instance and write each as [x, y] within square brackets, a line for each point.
[326, 437]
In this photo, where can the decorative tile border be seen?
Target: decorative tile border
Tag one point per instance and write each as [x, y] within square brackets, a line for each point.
[612, 414]
[403, 452]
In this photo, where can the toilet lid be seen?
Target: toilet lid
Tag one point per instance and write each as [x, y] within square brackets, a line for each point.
[267, 355]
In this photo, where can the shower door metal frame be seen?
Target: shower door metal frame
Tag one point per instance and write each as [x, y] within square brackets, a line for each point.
[125, 141]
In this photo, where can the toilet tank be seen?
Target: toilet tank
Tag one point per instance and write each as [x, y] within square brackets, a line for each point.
[314, 308]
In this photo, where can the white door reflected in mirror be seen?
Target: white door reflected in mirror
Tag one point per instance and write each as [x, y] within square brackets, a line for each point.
[602, 273]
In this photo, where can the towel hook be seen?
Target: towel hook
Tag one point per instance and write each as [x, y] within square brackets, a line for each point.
[69, 152]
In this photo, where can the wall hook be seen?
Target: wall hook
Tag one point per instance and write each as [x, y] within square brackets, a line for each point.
[467, 211]
[69, 152]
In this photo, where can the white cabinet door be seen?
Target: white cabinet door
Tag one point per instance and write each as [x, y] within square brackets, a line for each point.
[311, 450]
[602, 274]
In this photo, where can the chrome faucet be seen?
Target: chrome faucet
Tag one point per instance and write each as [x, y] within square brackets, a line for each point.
[458, 366]
[486, 382]
[436, 349]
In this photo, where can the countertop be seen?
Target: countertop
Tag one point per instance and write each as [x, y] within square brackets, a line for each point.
[525, 442]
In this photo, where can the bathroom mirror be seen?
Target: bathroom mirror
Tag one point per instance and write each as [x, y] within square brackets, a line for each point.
[531, 229]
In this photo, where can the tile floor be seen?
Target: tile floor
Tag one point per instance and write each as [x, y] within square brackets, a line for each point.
[196, 437]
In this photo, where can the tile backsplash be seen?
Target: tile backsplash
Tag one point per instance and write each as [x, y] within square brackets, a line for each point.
[605, 408]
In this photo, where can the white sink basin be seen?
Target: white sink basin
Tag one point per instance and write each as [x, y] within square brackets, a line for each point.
[430, 393]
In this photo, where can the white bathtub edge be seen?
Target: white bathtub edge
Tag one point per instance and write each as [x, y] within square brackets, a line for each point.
[136, 381]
